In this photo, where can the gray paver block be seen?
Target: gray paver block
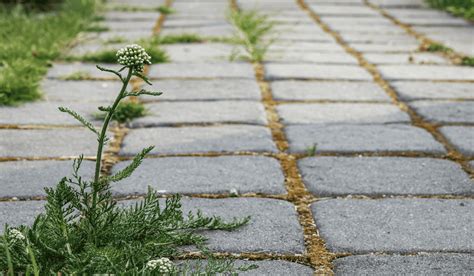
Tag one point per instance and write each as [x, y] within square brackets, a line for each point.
[461, 137]
[206, 31]
[228, 138]
[412, 58]
[426, 72]
[396, 225]
[272, 268]
[384, 48]
[316, 57]
[295, 46]
[139, 25]
[343, 10]
[47, 143]
[129, 35]
[131, 16]
[80, 91]
[378, 38]
[341, 113]
[24, 179]
[422, 264]
[238, 89]
[16, 213]
[419, 90]
[202, 70]
[164, 113]
[198, 52]
[50, 115]
[329, 176]
[445, 111]
[361, 138]
[338, 91]
[61, 70]
[312, 71]
[272, 221]
[245, 174]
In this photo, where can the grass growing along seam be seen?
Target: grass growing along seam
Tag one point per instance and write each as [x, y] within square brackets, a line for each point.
[252, 33]
[30, 41]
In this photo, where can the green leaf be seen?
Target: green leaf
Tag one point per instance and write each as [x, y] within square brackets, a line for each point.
[141, 76]
[110, 71]
[137, 160]
[142, 92]
[81, 119]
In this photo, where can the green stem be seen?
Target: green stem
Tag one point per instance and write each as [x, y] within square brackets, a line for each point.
[102, 135]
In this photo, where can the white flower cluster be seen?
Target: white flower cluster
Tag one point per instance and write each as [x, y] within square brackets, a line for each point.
[133, 56]
[162, 265]
[16, 235]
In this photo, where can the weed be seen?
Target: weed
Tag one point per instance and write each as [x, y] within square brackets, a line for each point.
[467, 61]
[125, 112]
[165, 10]
[437, 47]
[78, 75]
[311, 151]
[31, 40]
[85, 231]
[462, 8]
[180, 38]
[252, 31]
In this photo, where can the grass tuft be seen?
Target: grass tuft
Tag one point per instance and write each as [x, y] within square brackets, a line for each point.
[461, 8]
[79, 75]
[126, 112]
[181, 38]
[252, 32]
[31, 40]
[437, 47]
[165, 10]
[468, 61]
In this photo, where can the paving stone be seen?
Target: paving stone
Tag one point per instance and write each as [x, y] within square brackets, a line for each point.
[50, 115]
[369, 21]
[403, 13]
[333, 90]
[187, 90]
[126, 26]
[276, 71]
[202, 70]
[228, 138]
[93, 46]
[435, 21]
[422, 264]
[47, 143]
[400, 3]
[445, 111]
[80, 91]
[342, 10]
[164, 113]
[387, 48]
[396, 225]
[206, 31]
[140, 3]
[198, 52]
[378, 38]
[295, 46]
[187, 175]
[333, 176]
[62, 70]
[371, 29]
[461, 137]
[192, 22]
[413, 58]
[426, 72]
[272, 221]
[24, 179]
[341, 113]
[315, 37]
[16, 213]
[276, 268]
[131, 16]
[361, 138]
[316, 57]
[421, 90]
[129, 35]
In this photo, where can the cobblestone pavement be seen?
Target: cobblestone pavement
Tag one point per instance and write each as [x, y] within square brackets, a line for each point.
[389, 190]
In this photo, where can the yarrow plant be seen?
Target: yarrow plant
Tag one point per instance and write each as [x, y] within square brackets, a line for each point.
[85, 231]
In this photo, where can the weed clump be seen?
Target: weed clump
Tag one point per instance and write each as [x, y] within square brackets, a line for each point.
[126, 111]
[85, 231]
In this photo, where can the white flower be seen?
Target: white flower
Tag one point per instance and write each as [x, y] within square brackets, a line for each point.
[133, 56]
[162, 265]
[16, 235]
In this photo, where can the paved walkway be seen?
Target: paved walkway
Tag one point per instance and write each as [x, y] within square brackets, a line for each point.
[388, 190]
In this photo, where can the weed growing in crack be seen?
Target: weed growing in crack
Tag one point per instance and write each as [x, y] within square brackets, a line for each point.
[84, 231]
[467, 61]
[165, 10]
[78, 75]
[252, 33]
[437, 47]
[125, 112]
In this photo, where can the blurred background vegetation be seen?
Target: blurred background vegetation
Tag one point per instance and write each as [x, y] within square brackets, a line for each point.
[463, 8]
[32, 34]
